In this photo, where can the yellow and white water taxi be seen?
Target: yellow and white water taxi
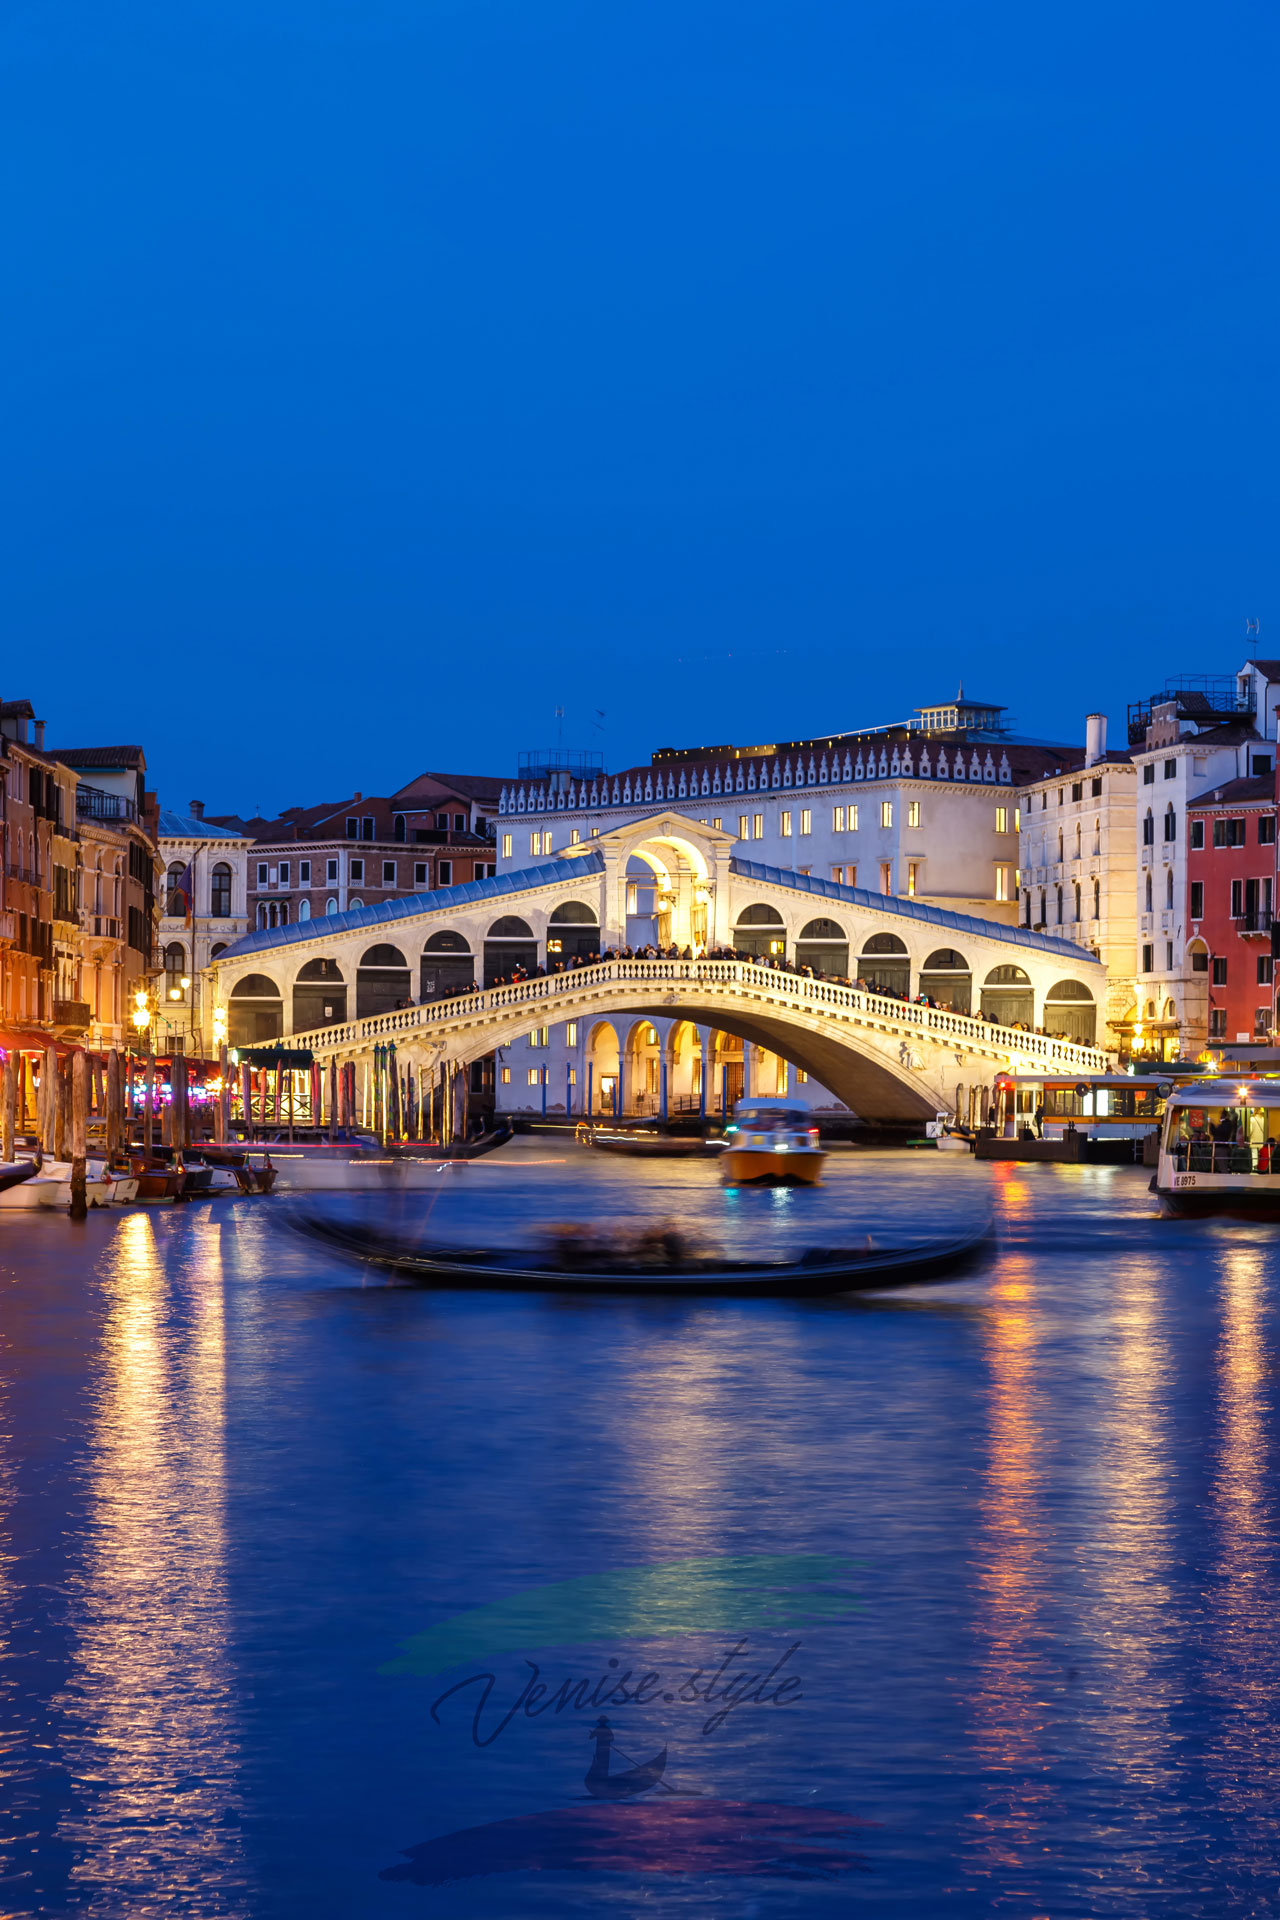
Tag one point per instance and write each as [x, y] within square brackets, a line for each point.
[771, 1143]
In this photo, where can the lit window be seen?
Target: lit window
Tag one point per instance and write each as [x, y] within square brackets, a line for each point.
[388, 873]
[757, 826]
[506, 846]
[652, 1037]
[535, 1076]
[784, 825]
[716, 823]
[837, 874]
[837, 819]
[546, 843]
[886, 876]
[506, 1076]
[802, 1078]
[539, 1036]
[595, 833]
[1003, 883]
[633, 897]
[886, 813]
[1017, 812]
[744, 827]
[912, 871]
[851, 876]
[571, 1033]
[806, 821]
[853, 819]
[1002, 819]
[535, 844]
[913, 813]
[574, 836]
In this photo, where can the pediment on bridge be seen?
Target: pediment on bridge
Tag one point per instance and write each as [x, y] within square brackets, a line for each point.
[665, 824]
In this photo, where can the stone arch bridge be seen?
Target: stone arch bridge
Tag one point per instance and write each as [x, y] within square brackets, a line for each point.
[434, 972]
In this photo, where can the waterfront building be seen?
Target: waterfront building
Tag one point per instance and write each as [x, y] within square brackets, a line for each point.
[204, 908]
[1194, 735]
[1078, 860]
[29, 798]
[116, 884]
[1231, 882]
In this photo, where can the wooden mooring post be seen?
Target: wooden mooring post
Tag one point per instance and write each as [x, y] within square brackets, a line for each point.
[9, 1105]
[79, 1144]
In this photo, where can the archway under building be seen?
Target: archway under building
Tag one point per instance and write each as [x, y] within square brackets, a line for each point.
[1008, 997]
[319, 996]
[447, 965]
[946, 978]
[255, 1011]
[509, 946]
[573, 933]
[884, 964]
[382, 980]
[823, 945]
[602, 1057]
[1070, 1012]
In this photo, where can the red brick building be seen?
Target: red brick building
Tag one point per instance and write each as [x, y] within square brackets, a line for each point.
[436, 832]
[1231, 880]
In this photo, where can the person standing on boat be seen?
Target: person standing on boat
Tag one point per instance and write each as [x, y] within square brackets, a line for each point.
[1040, 1120]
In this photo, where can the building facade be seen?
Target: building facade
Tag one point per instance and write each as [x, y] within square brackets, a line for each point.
[115, 825]
[1231, 887]
[30, 793]
[204, 908]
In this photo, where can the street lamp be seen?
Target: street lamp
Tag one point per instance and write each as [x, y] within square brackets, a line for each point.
[141, 1011]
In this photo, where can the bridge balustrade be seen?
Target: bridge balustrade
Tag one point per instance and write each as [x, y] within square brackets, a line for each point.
[757, 981]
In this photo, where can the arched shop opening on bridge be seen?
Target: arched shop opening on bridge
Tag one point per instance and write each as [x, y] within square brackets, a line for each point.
[509, 947]
[573, 933]
[256, 1011]
[824, 946]
[945, 977]
[382, 981]
[1070, 1012]
[448, 965]
[319, 996]
[1007, 997]
[883, 964]
[760, 930]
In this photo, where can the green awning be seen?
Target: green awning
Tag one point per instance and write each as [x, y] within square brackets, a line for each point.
[279, 1058]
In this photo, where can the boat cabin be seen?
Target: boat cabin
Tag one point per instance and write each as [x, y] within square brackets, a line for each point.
[1108, 1106]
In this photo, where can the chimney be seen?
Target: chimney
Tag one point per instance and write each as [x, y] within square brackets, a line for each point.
[39, 726]
[357, 796]
[1095, 738]
[196, 809]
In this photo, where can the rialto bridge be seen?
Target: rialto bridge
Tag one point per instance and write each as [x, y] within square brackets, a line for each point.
[433, 973]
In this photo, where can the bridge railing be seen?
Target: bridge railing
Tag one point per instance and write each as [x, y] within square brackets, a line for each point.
[1039, 1049]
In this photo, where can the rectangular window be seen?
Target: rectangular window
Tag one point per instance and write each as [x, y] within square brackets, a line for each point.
[535, 1076]
[913, 813]
[1017, 819]
[1199, 963]
[806, 821]
[1261, 1023]
[886, 813]
[633, 897]
[388, 873]
[1261, 764]
[538, 1038]
[1196, 831]
[1228, 833]
[273, 876]
[304, 873]
[331, 870]
[1220, 972]
[837, 874]
[571, 1034]
[421, 874]
[1237, 899]
[853, 819]
[506, 1076]
[357, 872]
[1217, 1023]
[1266, 970]
[573, 1076]
[1096, 789]
[535, 845]
[837, 819]
[1148, 959]
[506, 846]
[1002, 819]
[757, 826]
[784, 825]
[802, 1078]
[1077, 789]
[1266, 830]
[1168, 956]
[1149, 774]
[913, 871]
[353, 827]
[1170, 769]
[851, 876]
[744, 827]
[284, 873]
[595, 833]
[574, 837]
[1004, 887]
[262, 873]
[444, 873]
[366, 826]
[886, 876]
[1197, 899]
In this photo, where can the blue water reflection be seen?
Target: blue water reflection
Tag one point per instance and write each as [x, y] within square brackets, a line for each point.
[261, 1508]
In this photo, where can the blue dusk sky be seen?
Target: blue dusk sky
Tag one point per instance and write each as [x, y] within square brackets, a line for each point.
[381, 375]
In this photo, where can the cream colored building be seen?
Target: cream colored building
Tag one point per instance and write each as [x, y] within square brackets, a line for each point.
[204, 909]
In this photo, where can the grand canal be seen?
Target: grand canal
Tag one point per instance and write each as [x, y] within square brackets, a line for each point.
[1015, 1538]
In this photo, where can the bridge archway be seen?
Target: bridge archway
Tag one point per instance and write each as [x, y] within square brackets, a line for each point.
[319, 995]
[573, 932]
[256, 1011]
[382, 980]
[602, 1059]
[824, 945]
[946, 977]
[885, 964]
[1070, 1012]
[1007, 997]
[761, 930]
[509, 947]
[447, 965]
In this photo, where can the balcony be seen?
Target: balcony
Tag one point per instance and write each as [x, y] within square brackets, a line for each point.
[111, 808]
[74, 1015]
[1257, 922]
[99, 926]
[8, 929]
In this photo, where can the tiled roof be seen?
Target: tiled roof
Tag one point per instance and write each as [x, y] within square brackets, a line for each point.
[100, 756]
[889, 903]
[499, 886]
[1259, 787]
[184, 826]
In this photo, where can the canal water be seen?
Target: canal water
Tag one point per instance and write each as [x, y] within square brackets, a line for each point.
[314, 1589]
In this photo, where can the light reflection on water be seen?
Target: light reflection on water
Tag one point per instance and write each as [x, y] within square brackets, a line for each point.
[236, 1475]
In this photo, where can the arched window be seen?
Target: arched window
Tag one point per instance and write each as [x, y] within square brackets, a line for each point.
[758, 930]
[885, 943]
[1168, 888]
[220, 892]
[1059, 846]
[175, 898]
[331, 905]
[1077, 839]
[1007, 997]
[1059, 906]
[1097, 899]
[759, 915]
[824, 946]
[1170, 823]
[219, 946]
[1148, 830]
[1077, 893]
[509, 946]
[256, 1012]
[1148, 893]
[319, 995]
[304, 909]
[175, 967]
[945, 977]
[262, 913]
[883, 964]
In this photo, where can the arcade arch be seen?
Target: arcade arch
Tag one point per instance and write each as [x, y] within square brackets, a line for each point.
[382, 980]
[883, 964]
[255, 1012]
[319, 995]
[946, 978]
[573, 933]
[509, 945]
[760, 930]
[1007, 997]
[1070, 1013]
[824, 946]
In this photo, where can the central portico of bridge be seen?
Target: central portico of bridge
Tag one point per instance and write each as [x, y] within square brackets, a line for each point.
[435, 972]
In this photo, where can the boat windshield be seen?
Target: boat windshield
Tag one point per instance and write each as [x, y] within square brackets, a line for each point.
[771, 1119]
[1218, 1139]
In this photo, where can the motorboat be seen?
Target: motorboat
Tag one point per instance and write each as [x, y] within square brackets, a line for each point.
[771, 1143]
[1219, 1149]
[656, 1260]
[49, 1185]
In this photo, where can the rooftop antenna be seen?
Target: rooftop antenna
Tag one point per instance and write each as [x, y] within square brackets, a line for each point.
[1253, 628]
[559, 726]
